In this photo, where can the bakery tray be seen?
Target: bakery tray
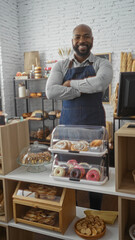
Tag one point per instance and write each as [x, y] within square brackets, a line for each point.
[87, 153]
[67, 179]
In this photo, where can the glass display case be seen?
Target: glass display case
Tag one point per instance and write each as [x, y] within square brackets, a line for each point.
[35, 157]
[80, 153]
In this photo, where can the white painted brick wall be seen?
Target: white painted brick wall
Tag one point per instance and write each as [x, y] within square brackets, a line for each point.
[46, 25]
[10, 51]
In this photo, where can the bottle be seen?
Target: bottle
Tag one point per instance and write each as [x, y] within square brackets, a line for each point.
[21, 90]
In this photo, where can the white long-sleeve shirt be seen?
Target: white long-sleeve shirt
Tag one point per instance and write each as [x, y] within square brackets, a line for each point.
[98, 83]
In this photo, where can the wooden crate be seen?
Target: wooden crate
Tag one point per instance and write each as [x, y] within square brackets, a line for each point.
[125, 159]
[126, 216]
[65, 208]
[13, 138]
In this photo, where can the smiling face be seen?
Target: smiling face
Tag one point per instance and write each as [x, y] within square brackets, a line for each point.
[82, 41]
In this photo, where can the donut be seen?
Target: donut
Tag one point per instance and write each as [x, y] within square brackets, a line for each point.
[85, 165]
[81, 169]
[79, 146]
[62, 145]
[75, 173]
[72, 161]
[93, 174]
[59, 172]
[65, 167]
[96, 143]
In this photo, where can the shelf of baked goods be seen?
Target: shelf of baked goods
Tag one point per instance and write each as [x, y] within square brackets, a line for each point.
[111, 229]
[39, 115]
[21, 174]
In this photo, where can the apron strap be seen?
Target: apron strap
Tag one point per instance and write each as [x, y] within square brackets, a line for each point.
[71, 63]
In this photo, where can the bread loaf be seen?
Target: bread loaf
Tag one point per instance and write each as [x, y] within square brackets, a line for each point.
[129, 62]
[124, 62]
[121, 59]
[133, 66]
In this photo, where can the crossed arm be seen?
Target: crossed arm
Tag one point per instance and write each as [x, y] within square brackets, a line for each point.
[71, 89]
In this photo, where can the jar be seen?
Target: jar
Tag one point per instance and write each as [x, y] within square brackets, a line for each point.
[21, 90]
[32, 75]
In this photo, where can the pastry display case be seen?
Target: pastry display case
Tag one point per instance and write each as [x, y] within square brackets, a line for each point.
[44, 206]
[35, 157]
[80, 153]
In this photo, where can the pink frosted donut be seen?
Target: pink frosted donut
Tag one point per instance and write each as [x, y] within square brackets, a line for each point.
[93, 174]
[72, 161]
[81, 169]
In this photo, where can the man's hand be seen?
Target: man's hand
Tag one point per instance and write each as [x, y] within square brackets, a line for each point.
[67, 83]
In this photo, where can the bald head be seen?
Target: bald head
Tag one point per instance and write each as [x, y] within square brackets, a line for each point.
[82, 27]
[82, 41]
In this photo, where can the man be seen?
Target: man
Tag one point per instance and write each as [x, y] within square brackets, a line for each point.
[80, 82]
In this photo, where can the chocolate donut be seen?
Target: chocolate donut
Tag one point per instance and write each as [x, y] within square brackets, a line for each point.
[75, 173]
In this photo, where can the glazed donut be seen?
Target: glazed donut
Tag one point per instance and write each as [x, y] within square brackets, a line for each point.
[75, 173]
[72, 161]
[85, 165]
[59, 172]
[96, 143]
[93, 174]
[65, 167]
[81, 169]
[62, 145]
[79, 146]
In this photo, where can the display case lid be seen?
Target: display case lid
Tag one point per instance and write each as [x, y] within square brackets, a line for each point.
[34, 155]
[85, 139]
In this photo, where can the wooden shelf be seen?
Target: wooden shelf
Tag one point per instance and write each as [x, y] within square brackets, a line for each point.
[111, 230]
[124, 159]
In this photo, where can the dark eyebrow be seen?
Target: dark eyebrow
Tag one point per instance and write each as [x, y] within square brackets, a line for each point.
[86, 34]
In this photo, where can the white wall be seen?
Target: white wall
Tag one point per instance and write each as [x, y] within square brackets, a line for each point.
[46, 25]
[10, 51]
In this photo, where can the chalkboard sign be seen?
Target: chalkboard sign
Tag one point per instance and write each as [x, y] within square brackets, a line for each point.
[107, 94]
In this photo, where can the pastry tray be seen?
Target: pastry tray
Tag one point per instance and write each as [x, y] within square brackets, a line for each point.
[84, 153]
[67, 179]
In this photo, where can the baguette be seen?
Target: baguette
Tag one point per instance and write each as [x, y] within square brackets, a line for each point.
[129, 62]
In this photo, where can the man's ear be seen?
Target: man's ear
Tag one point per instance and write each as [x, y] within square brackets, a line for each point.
[72, 41]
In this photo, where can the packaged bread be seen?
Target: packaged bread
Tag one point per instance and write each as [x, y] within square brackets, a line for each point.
[39, 113]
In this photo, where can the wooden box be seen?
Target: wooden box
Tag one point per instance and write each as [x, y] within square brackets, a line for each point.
[28, 200]
[8, 188]
[13, 138]
[125, 158]
[126, 216]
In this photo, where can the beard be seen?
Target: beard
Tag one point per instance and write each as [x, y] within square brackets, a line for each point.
[84, 52]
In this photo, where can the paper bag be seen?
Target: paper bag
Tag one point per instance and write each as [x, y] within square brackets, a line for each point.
[31, 58]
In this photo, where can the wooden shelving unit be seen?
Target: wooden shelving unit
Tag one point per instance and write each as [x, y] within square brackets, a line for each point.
[125, 164]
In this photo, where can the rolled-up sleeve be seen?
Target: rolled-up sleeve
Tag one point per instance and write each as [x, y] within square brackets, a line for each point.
[98, 83]
[54, 88]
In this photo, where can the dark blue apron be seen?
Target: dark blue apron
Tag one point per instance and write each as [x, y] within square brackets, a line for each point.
[86, 109]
